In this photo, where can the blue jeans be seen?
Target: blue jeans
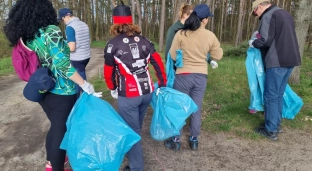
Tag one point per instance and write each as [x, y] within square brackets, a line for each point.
[276, 80]
[78, 88]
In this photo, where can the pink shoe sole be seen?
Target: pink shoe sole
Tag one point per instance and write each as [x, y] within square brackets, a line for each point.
[251, 111]
[49, 167]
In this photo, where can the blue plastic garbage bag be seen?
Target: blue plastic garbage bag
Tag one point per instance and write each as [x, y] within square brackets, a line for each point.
[292, 103]
[97, 138]
[256, 78]
[170, 72]
[171, 109]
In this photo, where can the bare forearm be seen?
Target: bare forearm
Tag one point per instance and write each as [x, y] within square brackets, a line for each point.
[77, 78]
[72, 46]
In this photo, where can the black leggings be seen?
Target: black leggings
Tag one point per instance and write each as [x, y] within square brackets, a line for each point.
[57, 109]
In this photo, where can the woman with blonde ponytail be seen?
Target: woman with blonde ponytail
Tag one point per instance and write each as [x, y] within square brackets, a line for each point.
[185, 11]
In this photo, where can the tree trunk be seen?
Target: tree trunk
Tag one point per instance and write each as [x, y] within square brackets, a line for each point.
[139, 14]
[212, 18]
[177, 10]
[146, 16]
[162, 25]
[221, 21]
[97, 29]
[133, 10]
[239, 25]
[284, 4]
[248, 21]
[10, 4]
[208, 2]
[92, 20]
[310, 37]
[302, 19]
[153, 20]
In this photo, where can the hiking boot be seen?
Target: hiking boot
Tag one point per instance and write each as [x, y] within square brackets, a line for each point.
[279, 129]
[127, 168]
[270, 135]
[193, 142]
[173, 144]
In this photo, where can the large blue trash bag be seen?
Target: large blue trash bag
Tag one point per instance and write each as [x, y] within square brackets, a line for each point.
[256, 78]
[292, 103]
[97, 138]
[171, 109]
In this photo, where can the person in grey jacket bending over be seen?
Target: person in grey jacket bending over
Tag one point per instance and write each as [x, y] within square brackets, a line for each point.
[280, 54]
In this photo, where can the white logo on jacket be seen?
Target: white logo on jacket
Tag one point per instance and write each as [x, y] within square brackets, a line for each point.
[125, 40]
[109, 48]
[138, 63]
[134, 50]
[144, 47]
[137, 39]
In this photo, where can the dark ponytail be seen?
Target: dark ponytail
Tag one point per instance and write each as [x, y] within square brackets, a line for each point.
[192, 23]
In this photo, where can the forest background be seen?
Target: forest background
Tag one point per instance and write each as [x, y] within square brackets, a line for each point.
[232, 23]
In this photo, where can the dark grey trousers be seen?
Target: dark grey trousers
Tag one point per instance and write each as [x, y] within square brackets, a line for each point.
[193, 85]
[133, 110]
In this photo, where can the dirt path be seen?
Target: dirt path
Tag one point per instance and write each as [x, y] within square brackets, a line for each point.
[23, 127]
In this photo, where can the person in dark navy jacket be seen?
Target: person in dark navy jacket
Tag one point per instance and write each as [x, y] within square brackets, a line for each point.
[126, 73]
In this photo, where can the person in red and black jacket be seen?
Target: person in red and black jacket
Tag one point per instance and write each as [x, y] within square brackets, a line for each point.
[126, 74]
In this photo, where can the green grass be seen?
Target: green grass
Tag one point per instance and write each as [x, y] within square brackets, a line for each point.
[98, 44]
[225, 105]
[226, 100]
[6, 66]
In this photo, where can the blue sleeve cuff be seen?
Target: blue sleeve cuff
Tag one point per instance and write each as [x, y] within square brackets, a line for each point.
[70, 34]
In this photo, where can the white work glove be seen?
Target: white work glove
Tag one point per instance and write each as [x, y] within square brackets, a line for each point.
[157, 91]
[250, 43]
[87, 87]
[213, 64]
[254, 35]
[114, 93]
[97, 94]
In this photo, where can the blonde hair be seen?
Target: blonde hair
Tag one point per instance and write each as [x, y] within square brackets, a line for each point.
[185, 9]
[129, 29]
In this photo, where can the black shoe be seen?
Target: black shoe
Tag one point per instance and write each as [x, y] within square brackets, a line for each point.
[127, 168]
[171, 144]
[270, 135]
[279, 129]
[193, 143]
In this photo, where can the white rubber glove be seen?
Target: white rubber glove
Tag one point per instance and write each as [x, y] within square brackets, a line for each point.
[213, 64]
[97, 94]
[87, 87]
[157, 91]
[114, 94]
[250, 43]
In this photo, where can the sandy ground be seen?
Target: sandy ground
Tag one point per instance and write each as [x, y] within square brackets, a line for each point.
[23, 127]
